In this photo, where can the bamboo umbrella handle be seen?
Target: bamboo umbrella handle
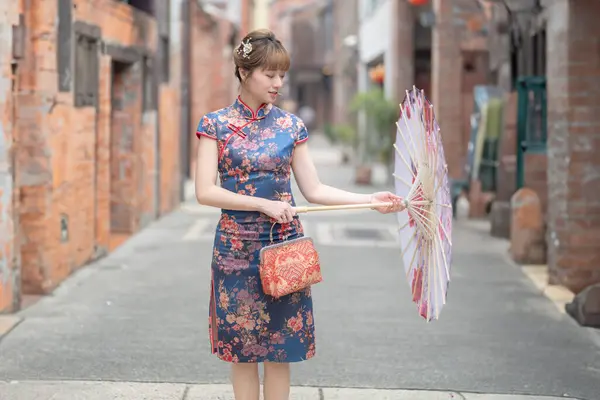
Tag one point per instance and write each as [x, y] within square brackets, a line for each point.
[301, 210]
[307, 209]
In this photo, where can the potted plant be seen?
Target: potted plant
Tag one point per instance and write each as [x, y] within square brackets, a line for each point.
[382, 115]
[343, 135]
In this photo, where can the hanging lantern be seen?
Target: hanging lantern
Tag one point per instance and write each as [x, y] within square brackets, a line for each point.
[377, 74]
[418, 2]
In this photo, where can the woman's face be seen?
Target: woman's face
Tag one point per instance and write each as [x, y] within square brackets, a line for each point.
[264, 85]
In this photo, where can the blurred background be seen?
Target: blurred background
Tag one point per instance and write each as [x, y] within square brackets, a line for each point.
[100, 100]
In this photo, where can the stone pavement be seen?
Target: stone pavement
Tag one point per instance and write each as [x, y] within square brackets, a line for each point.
[39, 390]
[134, 324]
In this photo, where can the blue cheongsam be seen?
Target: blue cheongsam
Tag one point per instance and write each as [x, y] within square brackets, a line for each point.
[255, 151]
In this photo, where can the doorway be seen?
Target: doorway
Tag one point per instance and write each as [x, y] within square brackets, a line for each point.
[123, 193]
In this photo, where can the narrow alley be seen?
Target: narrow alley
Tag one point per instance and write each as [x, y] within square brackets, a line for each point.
[134, 324]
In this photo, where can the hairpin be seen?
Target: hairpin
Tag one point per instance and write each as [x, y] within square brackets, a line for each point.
[245, 48]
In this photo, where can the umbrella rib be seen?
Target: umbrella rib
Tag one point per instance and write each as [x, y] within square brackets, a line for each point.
[426, 262]
[424, 228]
[402, 180]
[422, 218]
[412, 238]
[412, 260]
[411, 149]
[446, 234]
[413, 288]
[437, 260]
[439, 239]
[405, 162]
[440, 225]
[422, 266]
[438, 283]
[404, 226]
[432, 285]
[419, 221]
[409, 130]
[414, 146]
[412, 109]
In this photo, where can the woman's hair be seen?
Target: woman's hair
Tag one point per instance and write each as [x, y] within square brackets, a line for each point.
[260, 49]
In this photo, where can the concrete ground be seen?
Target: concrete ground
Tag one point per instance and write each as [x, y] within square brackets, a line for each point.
[134, 325]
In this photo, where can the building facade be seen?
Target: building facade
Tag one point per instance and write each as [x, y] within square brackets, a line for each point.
[94, 152]
[100, 103]
[432, 46]
[345, 62]
[550, 65]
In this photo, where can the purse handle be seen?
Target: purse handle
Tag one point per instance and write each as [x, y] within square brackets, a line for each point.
[271, 232]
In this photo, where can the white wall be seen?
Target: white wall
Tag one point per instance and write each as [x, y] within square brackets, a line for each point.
[260, 19]
[374, 31]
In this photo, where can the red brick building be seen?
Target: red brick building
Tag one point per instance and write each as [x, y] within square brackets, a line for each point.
[555, 62]
[211, 83]
[9, 253]
[573, 65]
[99, 103]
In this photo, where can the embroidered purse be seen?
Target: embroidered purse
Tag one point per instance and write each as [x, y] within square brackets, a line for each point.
[289, 266]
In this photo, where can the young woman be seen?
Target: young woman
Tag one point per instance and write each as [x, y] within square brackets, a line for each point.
[254, 146]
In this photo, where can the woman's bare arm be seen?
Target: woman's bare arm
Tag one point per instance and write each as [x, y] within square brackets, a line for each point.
[311, 187]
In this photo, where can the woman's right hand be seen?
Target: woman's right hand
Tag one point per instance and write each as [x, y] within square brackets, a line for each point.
[280, 211]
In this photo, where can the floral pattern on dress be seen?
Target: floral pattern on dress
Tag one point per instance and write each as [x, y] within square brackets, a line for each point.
[255, 150]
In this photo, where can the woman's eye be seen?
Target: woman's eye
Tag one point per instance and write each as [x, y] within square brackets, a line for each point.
[270, 76]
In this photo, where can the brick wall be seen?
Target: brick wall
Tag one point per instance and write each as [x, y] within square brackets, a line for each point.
[459, 62]
[344, 65]
[212, 81]
[574, 124]
[88, 176]
[202, 30]
[9, 284]
[446, 80]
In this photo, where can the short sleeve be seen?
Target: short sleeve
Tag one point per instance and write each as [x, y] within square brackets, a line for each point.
[206, 128]
[302, 133]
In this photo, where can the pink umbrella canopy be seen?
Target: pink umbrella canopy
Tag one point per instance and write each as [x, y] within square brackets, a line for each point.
[421, 176]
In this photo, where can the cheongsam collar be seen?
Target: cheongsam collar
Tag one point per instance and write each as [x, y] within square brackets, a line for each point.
[247, 112]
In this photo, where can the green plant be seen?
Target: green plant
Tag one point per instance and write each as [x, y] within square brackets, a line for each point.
[382, 115]
[344, 134]
[328, 131]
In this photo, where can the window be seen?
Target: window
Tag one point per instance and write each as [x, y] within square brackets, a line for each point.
[142, 5]
[63, 48]
[149, 94]
[86, 71]
[165, 56]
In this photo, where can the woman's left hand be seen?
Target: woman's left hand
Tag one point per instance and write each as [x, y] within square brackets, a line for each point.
[387, 197]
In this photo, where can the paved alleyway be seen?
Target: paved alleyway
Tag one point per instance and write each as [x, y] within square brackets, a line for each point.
[140, 315]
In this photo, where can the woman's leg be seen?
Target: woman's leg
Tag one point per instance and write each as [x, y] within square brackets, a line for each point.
[277, 381]
[246, 384]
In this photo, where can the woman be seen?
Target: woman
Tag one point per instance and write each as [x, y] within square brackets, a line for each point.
[254, 146]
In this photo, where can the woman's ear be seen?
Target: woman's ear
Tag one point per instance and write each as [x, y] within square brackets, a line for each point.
[243, 73]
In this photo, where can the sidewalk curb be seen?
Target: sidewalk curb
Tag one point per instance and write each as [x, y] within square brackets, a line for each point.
[8, 322]
[188, 391]
[558, 294]
[538, 275]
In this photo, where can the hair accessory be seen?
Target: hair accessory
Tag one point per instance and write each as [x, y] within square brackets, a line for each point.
[245, 48]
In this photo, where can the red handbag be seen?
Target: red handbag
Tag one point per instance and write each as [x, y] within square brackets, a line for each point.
[289, 266]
